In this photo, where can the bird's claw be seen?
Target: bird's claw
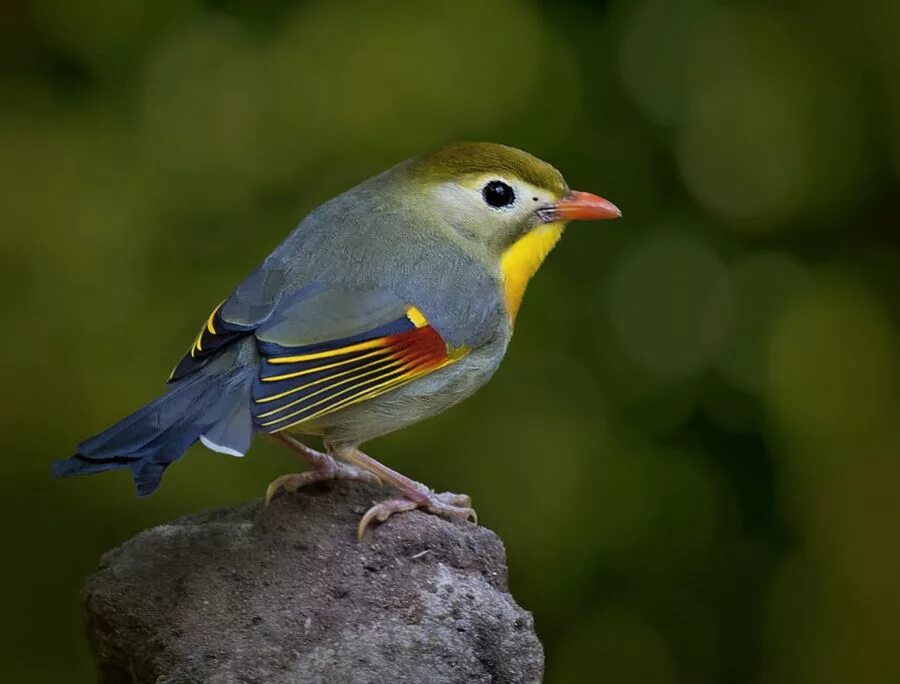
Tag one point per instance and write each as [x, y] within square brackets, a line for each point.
[445, 504]
[332, 470]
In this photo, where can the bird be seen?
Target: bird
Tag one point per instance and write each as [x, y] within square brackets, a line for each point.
[385, 306]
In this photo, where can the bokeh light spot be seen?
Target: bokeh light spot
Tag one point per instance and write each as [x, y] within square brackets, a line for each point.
[761, 284]
[832, 365]
[620, 646]
[768, 137]
[202, 111]
[663, 304]
[655, 47]
[105, 36]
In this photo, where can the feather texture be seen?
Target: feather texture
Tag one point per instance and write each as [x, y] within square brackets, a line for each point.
[213, 337]
[301, 384]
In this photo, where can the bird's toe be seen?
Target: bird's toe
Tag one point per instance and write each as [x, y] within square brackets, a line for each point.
[454, 507]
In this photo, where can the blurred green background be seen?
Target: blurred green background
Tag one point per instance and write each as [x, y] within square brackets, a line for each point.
[692, 450]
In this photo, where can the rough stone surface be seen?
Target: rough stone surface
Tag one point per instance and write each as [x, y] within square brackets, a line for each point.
[287, 594]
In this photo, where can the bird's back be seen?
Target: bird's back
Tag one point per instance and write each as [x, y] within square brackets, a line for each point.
[376, 237]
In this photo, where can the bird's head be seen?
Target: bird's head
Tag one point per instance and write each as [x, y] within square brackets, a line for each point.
[509, 205]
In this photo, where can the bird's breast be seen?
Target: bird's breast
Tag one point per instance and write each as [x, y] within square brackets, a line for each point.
[522, 260]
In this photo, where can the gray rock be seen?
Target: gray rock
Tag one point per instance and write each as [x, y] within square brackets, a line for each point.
[287, 594]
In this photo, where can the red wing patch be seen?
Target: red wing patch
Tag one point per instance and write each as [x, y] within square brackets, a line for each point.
[302, 384]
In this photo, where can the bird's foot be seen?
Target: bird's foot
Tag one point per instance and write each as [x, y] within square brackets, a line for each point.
[445, 504]
[325, 469]
[355, 465]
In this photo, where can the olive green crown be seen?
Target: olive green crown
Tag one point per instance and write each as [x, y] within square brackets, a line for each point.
[460, 159]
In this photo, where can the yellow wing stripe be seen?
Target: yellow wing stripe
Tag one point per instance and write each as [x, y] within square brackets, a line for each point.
[316, 369]
[362, 379]
[329, 353]
[209, 322]
[416, 317]
[350, 388]
[210, 326]
[363, 395]
[198, 343]
[378, 362]
[281, 395]
[412, 360]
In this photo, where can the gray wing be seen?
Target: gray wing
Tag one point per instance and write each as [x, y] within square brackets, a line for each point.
[348, 268]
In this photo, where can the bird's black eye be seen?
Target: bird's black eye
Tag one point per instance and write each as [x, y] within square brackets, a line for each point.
[498, 194]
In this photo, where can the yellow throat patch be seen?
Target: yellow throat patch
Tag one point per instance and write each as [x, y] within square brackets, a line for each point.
[522, 260]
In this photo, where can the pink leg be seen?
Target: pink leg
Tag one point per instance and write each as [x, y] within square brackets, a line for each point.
[323, 467]
[414, 494]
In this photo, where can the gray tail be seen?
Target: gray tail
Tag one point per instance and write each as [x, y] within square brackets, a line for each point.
[208, 405]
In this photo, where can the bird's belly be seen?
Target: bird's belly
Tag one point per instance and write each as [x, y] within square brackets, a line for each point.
[425, 397]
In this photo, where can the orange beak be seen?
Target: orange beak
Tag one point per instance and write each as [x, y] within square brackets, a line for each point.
[583, 206]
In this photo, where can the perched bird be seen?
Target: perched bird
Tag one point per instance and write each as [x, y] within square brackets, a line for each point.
[386, 305]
